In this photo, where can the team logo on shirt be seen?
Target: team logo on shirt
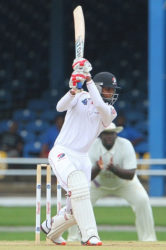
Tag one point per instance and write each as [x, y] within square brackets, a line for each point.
[60, 156]
[85, 101]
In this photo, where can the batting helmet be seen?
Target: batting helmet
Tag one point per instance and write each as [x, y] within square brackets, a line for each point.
[107, 80]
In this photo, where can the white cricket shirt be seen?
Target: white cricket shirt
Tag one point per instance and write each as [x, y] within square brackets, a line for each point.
[87, 115]
[122, 154]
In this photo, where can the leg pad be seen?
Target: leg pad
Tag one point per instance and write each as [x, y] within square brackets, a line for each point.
[81, 205]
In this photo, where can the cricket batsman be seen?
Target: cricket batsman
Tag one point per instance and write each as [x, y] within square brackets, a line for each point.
[88, 114]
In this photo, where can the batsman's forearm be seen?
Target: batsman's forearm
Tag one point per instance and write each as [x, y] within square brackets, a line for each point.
[94, 93]
[126, 174]
[64, 102]
[106, 111]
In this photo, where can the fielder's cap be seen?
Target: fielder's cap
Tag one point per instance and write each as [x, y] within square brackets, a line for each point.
[113, 128]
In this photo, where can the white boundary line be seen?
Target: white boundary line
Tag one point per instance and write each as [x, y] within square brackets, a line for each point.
[106, 202]
[32, 161]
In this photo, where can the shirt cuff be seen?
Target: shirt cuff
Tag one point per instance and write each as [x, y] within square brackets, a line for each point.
[91, 81]
[71, 94]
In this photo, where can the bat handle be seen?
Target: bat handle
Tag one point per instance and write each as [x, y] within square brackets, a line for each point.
[79, 85]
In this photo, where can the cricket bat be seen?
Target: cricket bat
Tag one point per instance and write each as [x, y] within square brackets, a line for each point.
[79, 28]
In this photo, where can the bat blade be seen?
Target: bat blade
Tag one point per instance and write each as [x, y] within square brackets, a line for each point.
[79, 27]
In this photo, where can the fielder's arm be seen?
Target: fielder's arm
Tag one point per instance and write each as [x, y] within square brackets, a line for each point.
[126, 174]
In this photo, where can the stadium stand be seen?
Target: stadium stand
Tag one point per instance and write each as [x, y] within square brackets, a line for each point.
[25, 48]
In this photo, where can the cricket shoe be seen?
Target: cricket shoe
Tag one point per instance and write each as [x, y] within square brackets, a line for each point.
[59, 241]
[93, 241]
[46, 229]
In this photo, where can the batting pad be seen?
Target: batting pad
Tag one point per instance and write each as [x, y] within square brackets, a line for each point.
[81, 205]
[60, 224]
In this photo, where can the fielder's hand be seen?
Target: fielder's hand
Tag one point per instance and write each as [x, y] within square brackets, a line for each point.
[82, 64]
[110, 166]
[78, 78]
[100, 163]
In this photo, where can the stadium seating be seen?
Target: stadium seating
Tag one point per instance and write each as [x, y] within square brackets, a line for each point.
[142, 148]
[48, 116]
[37, 127]
[4, 125]
[25, 46]
[24, 115]
[27, 136]
[38, 105]
[32, 149]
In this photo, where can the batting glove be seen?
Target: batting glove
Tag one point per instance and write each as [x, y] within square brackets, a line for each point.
[77, 79]
[82, 64]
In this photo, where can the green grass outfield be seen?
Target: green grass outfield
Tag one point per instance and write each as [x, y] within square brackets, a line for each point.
[25, 216]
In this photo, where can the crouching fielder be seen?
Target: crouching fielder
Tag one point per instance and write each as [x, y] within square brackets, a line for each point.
[88, 113]
[113, 173]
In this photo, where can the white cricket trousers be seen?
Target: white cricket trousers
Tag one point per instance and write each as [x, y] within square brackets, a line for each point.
[134, 193]
[64, 161]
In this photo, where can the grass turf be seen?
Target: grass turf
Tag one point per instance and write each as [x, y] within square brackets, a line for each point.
[25, 216]
[106, 236]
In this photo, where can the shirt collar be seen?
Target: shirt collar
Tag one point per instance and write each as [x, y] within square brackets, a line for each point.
[104, 150]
